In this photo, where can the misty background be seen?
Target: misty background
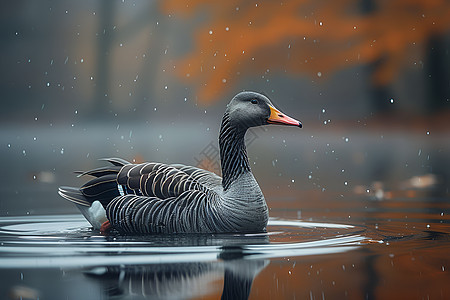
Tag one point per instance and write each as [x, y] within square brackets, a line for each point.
[149, 81]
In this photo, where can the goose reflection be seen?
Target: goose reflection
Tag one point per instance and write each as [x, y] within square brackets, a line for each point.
[182, 280]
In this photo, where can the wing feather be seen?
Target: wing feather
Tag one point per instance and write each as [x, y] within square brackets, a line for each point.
[152, 197]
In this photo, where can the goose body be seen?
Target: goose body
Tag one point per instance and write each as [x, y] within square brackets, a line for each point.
[174, 198]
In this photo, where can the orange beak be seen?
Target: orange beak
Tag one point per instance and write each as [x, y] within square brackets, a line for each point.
[277, 117]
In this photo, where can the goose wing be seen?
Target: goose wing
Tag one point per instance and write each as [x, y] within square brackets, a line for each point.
[165, 198]
[161, 180]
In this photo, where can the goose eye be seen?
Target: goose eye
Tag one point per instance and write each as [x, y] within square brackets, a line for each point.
[254, 101]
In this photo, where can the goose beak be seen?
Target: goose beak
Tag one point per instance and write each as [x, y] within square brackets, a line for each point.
[277, 117]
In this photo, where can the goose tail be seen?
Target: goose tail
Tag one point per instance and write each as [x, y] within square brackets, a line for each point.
[92, 198]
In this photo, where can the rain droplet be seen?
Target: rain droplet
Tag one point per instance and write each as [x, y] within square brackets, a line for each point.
[210, 32]
[392, 100]
[319, 74]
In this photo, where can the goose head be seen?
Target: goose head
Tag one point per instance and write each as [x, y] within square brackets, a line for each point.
[251, 109]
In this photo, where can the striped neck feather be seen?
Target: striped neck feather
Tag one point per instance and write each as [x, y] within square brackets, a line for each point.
[233, 154]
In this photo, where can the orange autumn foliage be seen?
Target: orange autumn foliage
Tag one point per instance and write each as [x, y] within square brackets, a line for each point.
[239, 38]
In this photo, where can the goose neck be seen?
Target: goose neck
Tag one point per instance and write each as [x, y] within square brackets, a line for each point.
[233, 153]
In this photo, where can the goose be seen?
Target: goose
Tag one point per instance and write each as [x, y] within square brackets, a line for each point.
[152, 198]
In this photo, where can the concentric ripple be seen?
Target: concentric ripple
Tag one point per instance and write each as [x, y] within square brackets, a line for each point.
[68, 241]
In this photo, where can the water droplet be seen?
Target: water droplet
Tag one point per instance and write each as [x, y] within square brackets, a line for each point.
[210, 32]
[62, 150]
[227, 28]
[323, 110]
[293, 180]
[319, 74]
[48, 83]
[392, 100]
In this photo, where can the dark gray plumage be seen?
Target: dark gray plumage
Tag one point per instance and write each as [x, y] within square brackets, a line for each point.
[161, 198]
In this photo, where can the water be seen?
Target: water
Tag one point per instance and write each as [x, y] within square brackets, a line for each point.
[386, 249]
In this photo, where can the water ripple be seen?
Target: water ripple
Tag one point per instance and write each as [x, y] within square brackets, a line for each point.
[49, 241]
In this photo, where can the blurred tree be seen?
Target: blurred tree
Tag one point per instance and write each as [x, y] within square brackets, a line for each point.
[105, 42]
[318, 37]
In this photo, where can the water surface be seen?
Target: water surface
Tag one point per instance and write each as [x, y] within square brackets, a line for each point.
[372, 249]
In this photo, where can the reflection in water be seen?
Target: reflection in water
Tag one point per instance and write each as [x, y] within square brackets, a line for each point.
[180, 280]
[87, 265]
